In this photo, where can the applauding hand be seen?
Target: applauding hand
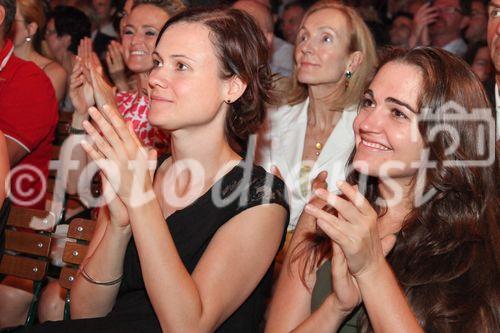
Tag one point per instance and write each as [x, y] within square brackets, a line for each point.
[354, 229]
[116, 65]
[81, 91]
[125, 163]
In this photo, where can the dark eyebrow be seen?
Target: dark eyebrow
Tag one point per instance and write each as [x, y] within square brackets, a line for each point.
[398, 102]
[391, 100]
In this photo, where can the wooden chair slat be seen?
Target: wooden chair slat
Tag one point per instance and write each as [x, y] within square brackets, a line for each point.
[67, 276]
[81, 229]
[74, 253]
[23, 267]
[27, 242]
[31, 219]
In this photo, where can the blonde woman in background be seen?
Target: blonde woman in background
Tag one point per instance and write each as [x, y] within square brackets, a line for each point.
[334, 58]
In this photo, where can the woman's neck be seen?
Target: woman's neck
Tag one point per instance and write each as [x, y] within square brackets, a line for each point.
[24, 51]
[398, 195]
[205, 144]
[320, 111]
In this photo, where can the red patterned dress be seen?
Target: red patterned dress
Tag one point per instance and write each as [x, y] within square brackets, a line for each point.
[135, 108]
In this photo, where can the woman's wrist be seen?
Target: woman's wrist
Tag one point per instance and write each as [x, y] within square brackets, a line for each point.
[373, 272]
[79, 116]
[120, 231]
[334, 307]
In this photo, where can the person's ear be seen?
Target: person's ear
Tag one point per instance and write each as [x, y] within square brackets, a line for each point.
[32, 28]
[355, 60]
[234, 89]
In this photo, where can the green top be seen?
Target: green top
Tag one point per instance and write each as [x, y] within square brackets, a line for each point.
[323, 288]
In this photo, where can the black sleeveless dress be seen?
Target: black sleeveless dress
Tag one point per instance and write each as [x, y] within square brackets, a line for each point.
[192, 228]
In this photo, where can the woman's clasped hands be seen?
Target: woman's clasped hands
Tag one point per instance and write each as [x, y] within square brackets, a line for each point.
[126, 165]
[357, 246]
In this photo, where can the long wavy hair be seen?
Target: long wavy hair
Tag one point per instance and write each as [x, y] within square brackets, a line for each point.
[447, 254]
[361, 40]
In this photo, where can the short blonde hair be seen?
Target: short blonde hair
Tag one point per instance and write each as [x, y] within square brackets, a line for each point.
[361, 40]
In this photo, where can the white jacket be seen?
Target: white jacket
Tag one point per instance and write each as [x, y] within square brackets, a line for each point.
[281, 143]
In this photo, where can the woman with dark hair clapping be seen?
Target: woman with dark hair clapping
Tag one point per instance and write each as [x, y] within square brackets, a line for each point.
[190, 249]
[414, 235]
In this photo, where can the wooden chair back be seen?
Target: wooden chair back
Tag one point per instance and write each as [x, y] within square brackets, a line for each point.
[27, 248]
[80, 230]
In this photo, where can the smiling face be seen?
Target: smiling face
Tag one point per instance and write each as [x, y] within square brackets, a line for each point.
[321, 52]
[386, 121]
[139, 36]
[186, 88]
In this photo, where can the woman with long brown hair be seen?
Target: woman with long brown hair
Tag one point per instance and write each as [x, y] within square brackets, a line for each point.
[423, 188]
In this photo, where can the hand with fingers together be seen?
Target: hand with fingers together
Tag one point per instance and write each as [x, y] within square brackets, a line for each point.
[88, 56]
[104, 94]
[117, 151]
[81, 91]
[354, 229]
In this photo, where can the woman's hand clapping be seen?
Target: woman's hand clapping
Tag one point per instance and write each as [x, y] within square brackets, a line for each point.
[116, 66]
[125, 163]
[81, 91]
[354, 229]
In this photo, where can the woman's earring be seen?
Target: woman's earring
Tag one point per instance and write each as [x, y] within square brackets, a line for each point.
[228, 101]
[348, 75]
[28, 39]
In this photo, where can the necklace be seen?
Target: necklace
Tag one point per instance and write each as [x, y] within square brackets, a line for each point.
[318, 147]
